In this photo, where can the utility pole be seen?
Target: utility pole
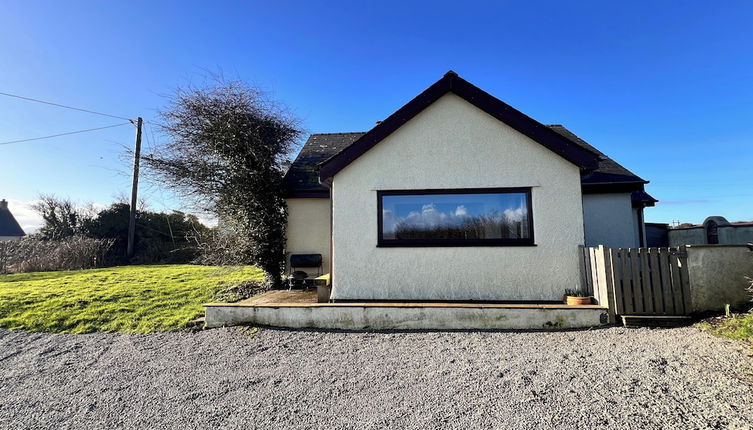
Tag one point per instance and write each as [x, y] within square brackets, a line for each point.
[134, 189]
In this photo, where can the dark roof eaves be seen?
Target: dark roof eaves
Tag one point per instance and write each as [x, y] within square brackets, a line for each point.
[451, 82]
[591, 181]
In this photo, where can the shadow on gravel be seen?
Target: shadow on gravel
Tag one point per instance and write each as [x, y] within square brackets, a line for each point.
[322, 330]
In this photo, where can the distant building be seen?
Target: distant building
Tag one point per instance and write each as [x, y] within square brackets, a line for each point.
[9, 228]
[714, 230]
[657, 234]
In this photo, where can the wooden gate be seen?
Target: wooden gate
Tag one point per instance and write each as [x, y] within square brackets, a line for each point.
[637, 281]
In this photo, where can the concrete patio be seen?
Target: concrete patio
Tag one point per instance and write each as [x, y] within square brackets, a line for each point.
[299, 309]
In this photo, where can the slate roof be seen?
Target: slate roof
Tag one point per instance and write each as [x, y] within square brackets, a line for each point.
[642, 199]
[302, 179]
[496, 108]
[608, 172]
[8, 224]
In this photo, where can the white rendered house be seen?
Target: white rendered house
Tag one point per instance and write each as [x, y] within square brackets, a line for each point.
[458, 196]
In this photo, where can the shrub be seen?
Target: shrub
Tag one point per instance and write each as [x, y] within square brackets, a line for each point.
[32, 254]
[160, 237]
[576, 293]
[221, 246]
[225, 150]
[62, 217]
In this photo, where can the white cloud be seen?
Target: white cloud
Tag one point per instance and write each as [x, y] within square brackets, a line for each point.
[430, 216]
[30, 221]
[515, 214]
[27, 218]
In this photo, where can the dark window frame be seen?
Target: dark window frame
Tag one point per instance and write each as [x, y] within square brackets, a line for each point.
[447, 243]
[712, 233]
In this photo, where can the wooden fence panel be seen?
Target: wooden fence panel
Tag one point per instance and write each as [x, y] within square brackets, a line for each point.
[586, 276]
[591, 286]
[617, 297]
[607, 272]
[666, 281]
[637, 281]
[602, 280]
[676, 284]
[648, 297]
[656, 292]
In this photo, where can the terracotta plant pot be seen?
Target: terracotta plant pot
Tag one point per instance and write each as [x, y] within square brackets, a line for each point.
[575, 301]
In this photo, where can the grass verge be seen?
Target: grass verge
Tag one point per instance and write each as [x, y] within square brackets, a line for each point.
[737, 327]
[132, 299]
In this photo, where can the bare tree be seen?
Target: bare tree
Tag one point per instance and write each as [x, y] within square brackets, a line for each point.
[227, 143]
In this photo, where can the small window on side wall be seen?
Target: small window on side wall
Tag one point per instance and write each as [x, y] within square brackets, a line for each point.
[712, 233]
[455, 217]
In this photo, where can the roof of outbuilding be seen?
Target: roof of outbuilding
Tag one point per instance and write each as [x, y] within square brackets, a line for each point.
[608, 172]
[8, 224]
[642, 199]
[302, 179]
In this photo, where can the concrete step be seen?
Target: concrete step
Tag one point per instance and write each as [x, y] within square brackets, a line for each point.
[399, 316]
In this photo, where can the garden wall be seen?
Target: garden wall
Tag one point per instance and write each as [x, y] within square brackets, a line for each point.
[717, 276]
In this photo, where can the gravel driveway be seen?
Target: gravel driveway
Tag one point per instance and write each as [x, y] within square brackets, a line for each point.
[233, 378]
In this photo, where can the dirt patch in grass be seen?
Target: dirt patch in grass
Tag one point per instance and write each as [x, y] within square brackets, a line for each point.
[241, 291]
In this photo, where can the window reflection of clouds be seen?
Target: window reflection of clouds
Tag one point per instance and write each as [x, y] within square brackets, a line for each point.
[478, 216]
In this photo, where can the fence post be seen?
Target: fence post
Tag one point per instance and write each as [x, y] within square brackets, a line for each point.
[606, 281]
[685, 279]
[595, 281]
[595, 275]
[582, 267]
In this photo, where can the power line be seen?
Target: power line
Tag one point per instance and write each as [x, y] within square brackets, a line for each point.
[157, 124]
[148, 140]
[64, 106]
[64, 134]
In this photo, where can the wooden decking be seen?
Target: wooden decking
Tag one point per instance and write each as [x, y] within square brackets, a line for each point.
[281, 297]
[297, 298]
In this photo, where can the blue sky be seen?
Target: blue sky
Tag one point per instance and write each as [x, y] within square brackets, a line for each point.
[662, 87]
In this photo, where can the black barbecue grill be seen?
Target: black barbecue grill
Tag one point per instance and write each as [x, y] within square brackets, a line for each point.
[304, 279]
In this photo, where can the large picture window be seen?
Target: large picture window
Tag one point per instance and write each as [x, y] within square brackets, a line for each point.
[467, 217]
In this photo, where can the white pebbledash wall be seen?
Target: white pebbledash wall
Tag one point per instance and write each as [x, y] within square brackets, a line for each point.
[308, 230]
[606, 216]
[453, 144]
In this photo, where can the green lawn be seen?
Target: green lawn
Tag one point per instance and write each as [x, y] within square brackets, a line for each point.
[738, 327]
[134, 299]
